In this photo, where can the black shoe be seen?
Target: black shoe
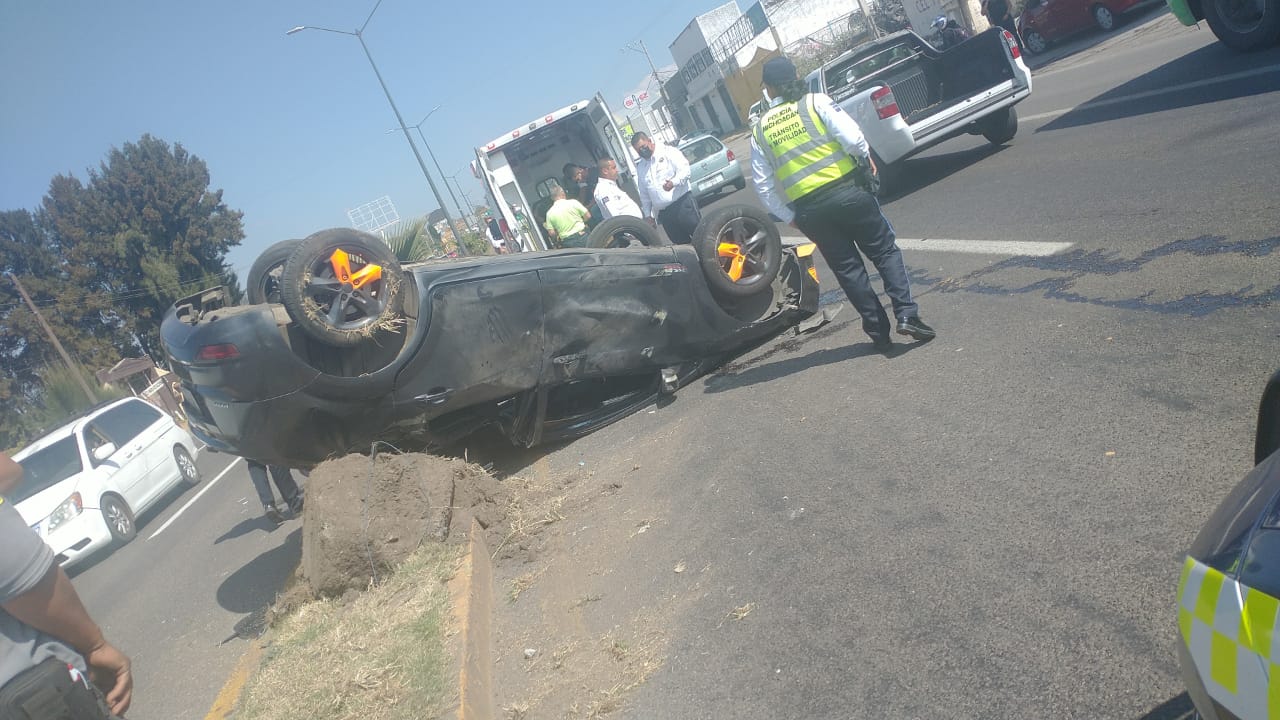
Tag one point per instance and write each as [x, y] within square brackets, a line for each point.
[273, 513]
[883, 345]
[916, 328]
[295, 505]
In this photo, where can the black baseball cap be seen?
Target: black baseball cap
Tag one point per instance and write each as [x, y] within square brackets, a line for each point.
[779, 71]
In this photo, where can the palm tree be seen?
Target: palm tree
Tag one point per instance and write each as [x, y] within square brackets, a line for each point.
[411, 241]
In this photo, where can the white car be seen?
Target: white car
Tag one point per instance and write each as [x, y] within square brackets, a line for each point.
[84, 482]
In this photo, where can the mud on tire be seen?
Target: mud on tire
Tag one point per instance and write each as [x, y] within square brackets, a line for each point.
[341, 286]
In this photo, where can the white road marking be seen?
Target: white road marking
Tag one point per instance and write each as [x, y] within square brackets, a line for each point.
[193, 500]
[1154, 93]
[978, 247]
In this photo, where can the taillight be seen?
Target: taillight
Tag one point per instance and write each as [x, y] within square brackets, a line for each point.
[886, 105]
[729, 154]
[1013, 45]
[222, 351]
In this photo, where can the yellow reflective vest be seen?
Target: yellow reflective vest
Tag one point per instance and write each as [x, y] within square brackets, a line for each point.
[803, 156]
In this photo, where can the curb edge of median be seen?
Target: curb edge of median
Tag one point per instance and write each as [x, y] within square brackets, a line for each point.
[471, 592]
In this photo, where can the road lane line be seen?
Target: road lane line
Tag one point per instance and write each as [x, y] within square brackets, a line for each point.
[977, 247]
[1154, 93]
[192, 501]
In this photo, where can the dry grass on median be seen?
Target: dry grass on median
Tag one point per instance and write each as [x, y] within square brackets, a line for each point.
[379, 656]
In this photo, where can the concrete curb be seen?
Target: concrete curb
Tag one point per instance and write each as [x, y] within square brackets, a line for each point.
[471, 592]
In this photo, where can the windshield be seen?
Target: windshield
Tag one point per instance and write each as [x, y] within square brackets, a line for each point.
[701, 149]
[48, 467]
[848, 74]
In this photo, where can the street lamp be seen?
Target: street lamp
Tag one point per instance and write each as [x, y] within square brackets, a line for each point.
[359, 35]
[436, 162]
[470, 205]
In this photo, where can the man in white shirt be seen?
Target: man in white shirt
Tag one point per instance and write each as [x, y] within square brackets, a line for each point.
[610, 198]
[664, 189]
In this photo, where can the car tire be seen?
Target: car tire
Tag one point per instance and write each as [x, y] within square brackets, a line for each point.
[264, 276]
[316, 300]
[119, 519]
[619, 232]
[739, 225]
[1267, 439]
[187, 468]
[1034, 42]
[1228, 22]
[740, 183]
[1103, 17]
[999, 128]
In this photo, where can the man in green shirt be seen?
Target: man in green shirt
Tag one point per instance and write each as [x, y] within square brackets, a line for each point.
[567, 220]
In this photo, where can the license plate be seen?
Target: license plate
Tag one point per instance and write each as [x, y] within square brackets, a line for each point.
[712, 181]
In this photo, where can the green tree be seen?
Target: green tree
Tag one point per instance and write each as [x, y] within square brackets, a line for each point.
[144, 231]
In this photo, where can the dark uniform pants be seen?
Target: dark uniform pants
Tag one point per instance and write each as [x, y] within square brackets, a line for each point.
[284, 482]
[681, 218]
[842, 218]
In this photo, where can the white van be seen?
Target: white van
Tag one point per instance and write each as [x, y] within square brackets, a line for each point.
[83, 483]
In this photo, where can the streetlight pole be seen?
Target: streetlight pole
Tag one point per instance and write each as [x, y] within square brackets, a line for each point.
[359, 35]
[470, 205]
[72, 367]
[436, 162]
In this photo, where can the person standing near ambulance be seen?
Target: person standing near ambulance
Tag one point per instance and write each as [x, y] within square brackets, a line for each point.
[665, 193]
[610, 198]
[812, 169]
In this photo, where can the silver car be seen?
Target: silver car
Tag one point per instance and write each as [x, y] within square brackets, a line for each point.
[712, 166]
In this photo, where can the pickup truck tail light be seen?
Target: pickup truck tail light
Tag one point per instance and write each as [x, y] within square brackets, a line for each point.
[1013, 45]
[729, 154]
[886, 104]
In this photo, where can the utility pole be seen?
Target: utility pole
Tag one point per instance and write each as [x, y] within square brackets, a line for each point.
[661, 89]
[75, 370]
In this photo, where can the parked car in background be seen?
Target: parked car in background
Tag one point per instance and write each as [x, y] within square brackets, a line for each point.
[712, 166]
[84, 483]
[1043, 22]
[1229, 591]
[755, 112]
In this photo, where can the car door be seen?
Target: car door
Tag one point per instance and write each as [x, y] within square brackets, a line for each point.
[136, 429]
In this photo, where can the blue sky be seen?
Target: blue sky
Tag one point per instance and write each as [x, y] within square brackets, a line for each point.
[293, 128]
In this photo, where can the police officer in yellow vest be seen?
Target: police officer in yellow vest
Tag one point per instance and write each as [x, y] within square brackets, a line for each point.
[811, 167]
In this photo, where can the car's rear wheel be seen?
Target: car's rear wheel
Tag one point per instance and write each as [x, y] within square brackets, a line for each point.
[264, 276]
[625, 231]
[342, 286]
[1103, 16]
[1034, 42]
[1244, 25]
[1000, 127]
[740, 250]
[186, 466]
[119, 519]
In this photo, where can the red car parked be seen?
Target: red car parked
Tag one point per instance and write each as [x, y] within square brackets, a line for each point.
[1046, 21]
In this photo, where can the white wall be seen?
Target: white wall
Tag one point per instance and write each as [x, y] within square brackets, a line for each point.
[795, 19]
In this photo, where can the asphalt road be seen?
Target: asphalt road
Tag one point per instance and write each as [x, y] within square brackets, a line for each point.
[182, 596]
[985, 526]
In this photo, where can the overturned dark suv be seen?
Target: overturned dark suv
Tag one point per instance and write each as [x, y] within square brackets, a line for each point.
[341, 346]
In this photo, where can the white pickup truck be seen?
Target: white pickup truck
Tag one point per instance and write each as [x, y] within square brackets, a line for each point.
[907, 96]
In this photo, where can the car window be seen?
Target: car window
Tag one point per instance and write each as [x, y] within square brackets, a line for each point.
[701, 149]
[45, 468]
[125, 422]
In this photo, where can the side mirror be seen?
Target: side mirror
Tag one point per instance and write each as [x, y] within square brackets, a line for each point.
[102, 452]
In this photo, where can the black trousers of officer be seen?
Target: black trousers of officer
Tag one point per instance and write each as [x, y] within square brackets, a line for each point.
[681, 218]
[283, 478]
[842, 219]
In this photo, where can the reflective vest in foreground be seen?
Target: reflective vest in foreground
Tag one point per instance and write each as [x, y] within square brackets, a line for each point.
[803, 156]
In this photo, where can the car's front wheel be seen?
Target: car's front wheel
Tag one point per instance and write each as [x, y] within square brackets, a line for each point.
[119, 519]
[1103, 16]
[1244, 25]
[740, 250]
[1034, 42]
[342, 286]
[186, 466]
